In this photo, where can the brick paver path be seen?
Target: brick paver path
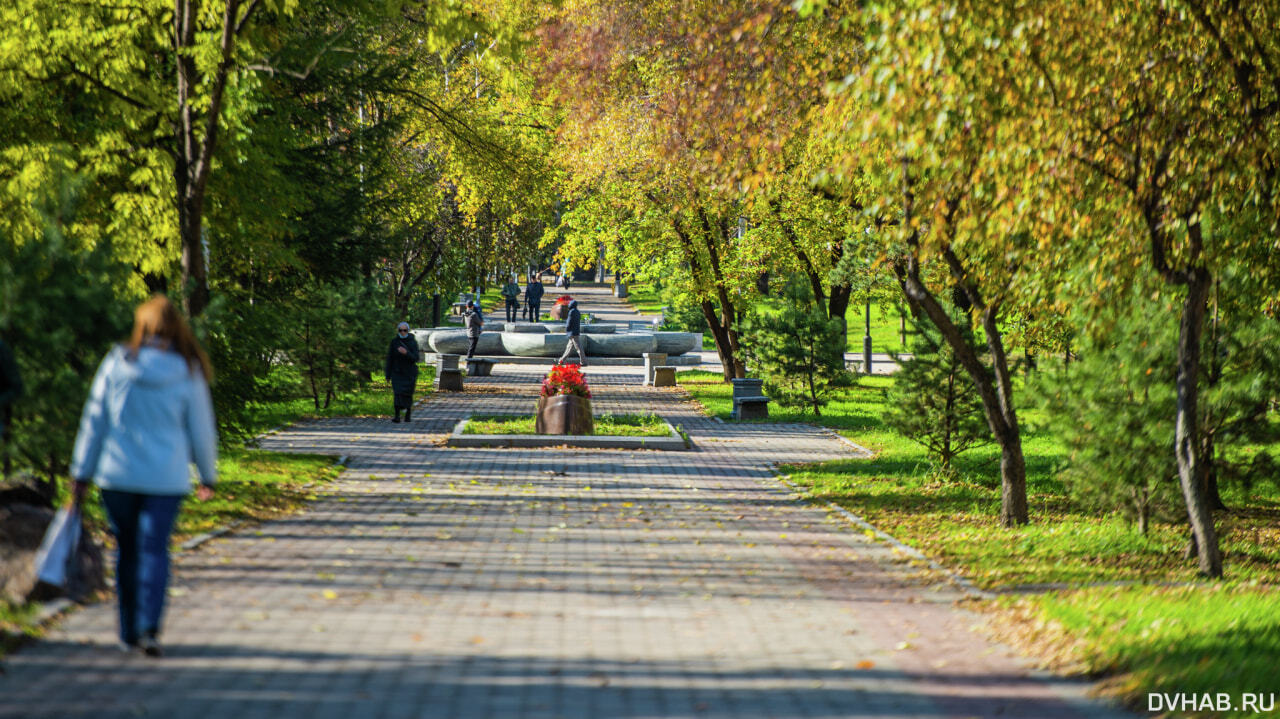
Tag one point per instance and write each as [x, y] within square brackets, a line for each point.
[433, 582]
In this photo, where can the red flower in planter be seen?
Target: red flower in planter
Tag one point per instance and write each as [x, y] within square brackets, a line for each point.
[563, 300]
[565, 379]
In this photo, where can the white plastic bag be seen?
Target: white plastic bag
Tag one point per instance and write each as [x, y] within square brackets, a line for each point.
[58, 549]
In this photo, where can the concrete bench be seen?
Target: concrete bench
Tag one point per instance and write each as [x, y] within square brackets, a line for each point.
[751, 407]
[652, 360]
[449, 380]
[664, 376]
[477, 367]
[749, 402]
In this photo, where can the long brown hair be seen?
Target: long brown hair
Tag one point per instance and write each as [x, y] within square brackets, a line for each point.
[158, 318]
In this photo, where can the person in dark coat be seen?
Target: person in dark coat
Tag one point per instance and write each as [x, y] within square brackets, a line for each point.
[475, 326]
[401, 369]
[10, 385]
[533, 298]
[573, 328]
[511, 294]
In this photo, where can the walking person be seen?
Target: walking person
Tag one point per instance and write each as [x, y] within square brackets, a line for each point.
[475, 326]
[147, 419]
[533, 298]
[573, 328]
[401, 370]
[511, 293]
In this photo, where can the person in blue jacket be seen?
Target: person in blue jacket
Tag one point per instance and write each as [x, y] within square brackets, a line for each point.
[148, 418]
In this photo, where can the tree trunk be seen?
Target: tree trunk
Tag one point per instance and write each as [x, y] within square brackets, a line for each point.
[1191, 467]
[729, 364]
[194, 151]
[994, 385]
[837, 307]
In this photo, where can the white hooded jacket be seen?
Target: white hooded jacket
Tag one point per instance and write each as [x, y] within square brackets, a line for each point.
[146, 420]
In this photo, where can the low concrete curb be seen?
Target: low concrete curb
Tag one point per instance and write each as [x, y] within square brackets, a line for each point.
[690, 360]
[906, 550]
[674, 442]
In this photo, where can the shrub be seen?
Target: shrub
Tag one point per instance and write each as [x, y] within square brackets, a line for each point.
[797, 349]
[934, 402]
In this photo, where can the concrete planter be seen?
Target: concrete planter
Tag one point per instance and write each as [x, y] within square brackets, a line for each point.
[564, 414]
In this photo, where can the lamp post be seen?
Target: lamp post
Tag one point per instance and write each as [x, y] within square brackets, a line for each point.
[866, 341]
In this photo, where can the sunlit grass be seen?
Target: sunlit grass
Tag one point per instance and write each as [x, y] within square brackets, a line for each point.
[1133, 607]
[625, 425]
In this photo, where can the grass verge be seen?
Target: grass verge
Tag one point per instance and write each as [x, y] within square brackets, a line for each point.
[624, 425]
[1093, 594]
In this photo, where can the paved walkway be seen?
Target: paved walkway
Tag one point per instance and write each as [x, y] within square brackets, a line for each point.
[490, 583]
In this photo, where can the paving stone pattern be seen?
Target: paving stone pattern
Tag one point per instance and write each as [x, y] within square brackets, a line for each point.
[490, 583]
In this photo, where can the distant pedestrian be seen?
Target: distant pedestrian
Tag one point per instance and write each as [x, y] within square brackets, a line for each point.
[10, 385]
[533, 298]
[147, 419]
[401, 370]
[475, 326]
[573, 328]
[511, 293]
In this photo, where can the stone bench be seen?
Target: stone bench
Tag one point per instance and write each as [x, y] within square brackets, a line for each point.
[751, 407]
[749, 401]
[664, 375]
[477, 367]
[449, 380]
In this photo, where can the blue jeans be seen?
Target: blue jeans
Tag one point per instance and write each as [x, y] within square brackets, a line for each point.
[141, 524]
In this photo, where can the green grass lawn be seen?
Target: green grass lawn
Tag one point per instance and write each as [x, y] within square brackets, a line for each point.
[623, 425]
[372, 400]
[644, 299]
[1148, 635]
[885, 335]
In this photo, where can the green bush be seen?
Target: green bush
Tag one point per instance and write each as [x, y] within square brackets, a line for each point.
[1115, 409]
[934, 402]
[61, 308]
[797, 349]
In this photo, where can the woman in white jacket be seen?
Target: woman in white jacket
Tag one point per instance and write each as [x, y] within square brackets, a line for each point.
[148, 417]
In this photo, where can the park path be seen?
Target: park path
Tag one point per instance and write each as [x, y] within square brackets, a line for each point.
[492, 583]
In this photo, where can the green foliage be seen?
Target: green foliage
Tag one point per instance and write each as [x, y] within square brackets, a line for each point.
[60, 313]
[1115, 408]
[683, 313]
[933, 400]
[797, 349]
[337, 336]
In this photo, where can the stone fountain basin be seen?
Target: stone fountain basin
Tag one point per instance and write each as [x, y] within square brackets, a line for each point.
[677, 343]
[532, 339]
[456, 342]
[532, 344]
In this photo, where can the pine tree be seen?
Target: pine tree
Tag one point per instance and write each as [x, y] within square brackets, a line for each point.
[797, 349]
[933, 402]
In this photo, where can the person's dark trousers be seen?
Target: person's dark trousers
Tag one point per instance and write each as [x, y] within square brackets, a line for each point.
[513, 307]
[535, 310]
[141, 524]
[471, 346]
